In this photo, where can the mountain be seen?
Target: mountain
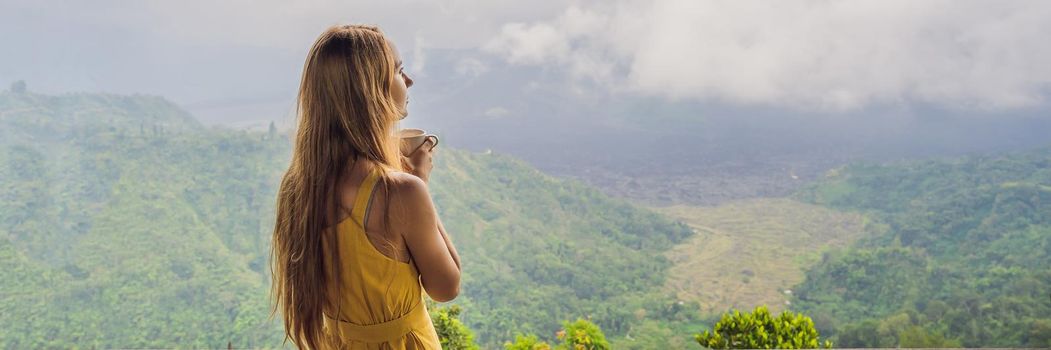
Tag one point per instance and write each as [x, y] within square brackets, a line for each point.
[665, 151]
[143, 226]
[958, 253]
[126, 223]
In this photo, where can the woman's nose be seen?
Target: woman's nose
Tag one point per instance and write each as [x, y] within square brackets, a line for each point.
[408, 81]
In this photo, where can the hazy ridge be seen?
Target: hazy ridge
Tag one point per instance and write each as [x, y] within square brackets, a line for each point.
[123, 205]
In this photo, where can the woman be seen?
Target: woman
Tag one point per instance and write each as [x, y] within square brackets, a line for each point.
[357, 239]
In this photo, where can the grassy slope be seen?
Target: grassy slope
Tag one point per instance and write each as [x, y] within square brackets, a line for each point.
[746, 253]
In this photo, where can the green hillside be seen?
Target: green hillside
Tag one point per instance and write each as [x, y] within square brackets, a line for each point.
[961, 254]
[144, 227]
[125, 223]
[539, 250]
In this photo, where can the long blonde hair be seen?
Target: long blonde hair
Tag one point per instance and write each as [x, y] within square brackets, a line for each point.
[345, 111]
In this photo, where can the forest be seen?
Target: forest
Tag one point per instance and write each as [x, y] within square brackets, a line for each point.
[958, 254]
[129, 224]
[124, 222]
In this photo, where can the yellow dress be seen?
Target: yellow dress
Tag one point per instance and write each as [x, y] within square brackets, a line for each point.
[382, 298]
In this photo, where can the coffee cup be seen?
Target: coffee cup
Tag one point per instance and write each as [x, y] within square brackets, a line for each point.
[413, 139]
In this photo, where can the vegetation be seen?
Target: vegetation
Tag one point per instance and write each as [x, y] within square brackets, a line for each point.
[752, 252]
[18, 87]
[452, 333]
[759, 330]
[133, 225]
[539, 250]
[957, 254]
[582, 335]
[577, 335]
[527, 342]
[128, 224]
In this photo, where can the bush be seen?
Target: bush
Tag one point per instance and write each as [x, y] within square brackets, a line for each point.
[527, 342]
[451, 332]
[760, 330]
[582, 335]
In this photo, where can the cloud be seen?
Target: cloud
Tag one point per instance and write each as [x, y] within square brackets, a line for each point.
[496, 112]
[198, 51]
[471, 67]
[831, 55]
[576, 40]
[287, 24]
[811, 55]
[456, 24]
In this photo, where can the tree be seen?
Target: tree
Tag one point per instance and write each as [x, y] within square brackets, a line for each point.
[527, 342]
[452, 333]
[582, 335]
[18, 87]
[917, 337]
[760, 330]
[863, 334]
[1040, 334]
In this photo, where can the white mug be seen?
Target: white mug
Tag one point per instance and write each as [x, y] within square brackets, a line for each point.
[413, 139]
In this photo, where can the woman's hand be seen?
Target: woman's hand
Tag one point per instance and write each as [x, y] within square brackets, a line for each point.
[421, 161]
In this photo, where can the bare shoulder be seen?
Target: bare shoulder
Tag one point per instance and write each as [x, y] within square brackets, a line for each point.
[408, 188]
[411, 201]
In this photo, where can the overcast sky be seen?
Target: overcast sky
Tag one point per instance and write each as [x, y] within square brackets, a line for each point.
[803, 55]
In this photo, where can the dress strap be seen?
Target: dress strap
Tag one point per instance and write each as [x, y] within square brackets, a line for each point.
[364, 197]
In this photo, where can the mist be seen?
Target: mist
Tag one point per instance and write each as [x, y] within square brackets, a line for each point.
[608, 92]
[651, 169]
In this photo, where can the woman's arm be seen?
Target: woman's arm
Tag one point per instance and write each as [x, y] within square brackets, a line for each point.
[431, 250]
[448, 242]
